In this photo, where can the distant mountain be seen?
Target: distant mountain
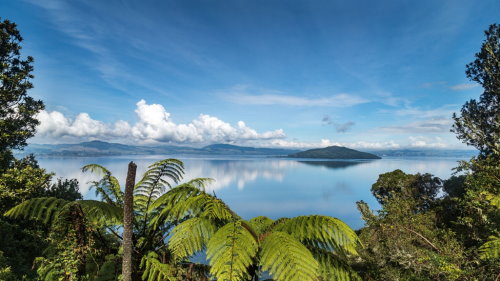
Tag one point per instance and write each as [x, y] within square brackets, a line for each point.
[334, 152]
[101, 148]
[456, 153]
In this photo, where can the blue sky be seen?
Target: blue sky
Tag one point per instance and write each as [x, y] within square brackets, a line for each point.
[364, 74]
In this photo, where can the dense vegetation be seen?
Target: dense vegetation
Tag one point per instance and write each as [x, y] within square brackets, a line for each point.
[427, 229]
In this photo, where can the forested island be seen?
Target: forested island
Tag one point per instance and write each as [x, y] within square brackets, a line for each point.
[334, 152]
[426, 228]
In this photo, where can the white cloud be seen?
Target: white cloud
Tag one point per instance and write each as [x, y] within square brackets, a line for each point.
[426, 142]
[327, 142]
[433, 125]
[154, 125]
[56, 125]
[462, 87]
[340, 100]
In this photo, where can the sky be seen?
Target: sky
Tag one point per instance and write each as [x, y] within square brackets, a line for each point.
[264, 73]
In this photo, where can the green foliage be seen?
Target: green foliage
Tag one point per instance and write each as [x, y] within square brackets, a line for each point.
[17, 109]
[286, 259]
[231, 251]
[491, 249]
[23, 180]
[190, 237]
[479, 121]
[50, 210]
[321, 232]
[423, 188]
[108, 188]
[156, 270]
[402, 244]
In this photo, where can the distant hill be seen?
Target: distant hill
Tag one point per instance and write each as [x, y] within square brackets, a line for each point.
[101, 148]
[334, 152]
[414, 152]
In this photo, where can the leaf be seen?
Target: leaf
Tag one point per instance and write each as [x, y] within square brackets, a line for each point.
[190, 236]
[286, 259]
[231, 252]
[261, 224]
[154, 270]
[491, 249]
[321, 231]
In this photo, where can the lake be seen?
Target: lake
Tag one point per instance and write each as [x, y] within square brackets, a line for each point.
[274, 187]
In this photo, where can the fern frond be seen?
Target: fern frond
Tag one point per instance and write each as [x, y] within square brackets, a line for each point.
[261, 224]
[102, 212]
[231, 251]
[45, 209]
[188, 201]
[321, 231]
[49, 209]
[491, 249]
[154, 270]
[190, 236]
[332, 267]
[153, 183]
[108, 187]
[286, 259]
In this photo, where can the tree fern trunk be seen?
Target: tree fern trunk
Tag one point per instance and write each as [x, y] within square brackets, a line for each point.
[81, 239]
[128, 217]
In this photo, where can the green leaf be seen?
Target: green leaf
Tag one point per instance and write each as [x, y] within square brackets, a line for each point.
[286, 259]
[231, 252]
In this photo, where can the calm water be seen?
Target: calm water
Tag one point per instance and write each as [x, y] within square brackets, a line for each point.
[270, 186]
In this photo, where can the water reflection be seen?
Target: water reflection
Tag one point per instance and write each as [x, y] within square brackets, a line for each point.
[335, 164]
[272, 187]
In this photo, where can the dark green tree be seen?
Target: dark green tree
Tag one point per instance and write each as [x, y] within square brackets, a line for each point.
[422, 188]
[479, 121]
[17, 109]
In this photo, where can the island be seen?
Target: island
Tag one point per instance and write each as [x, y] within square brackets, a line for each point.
[334, 152]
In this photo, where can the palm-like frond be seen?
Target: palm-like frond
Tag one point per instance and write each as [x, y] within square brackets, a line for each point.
[321, 231]
[154, 270]
[231, 252]
[260, 224]
[45, 209]
[190, 236]
[50, 209]
[108, 187]
[286, 259]
[102, 212]
[187, 200]
[491, 249]
[332, 267]
[154, 182]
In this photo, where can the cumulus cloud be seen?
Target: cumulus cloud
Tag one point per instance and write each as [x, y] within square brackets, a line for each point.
[339, 127]
[154, 125]
[56, 125]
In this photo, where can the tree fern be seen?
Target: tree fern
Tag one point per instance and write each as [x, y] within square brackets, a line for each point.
[188, 201]
[286, 259]
[333, 267]
[153, 183]
[261, 224]
[108, 187]
[50, 209]
[154, 270]
[231, 252]
[491, 249]
[321, 231]
[190, 236]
